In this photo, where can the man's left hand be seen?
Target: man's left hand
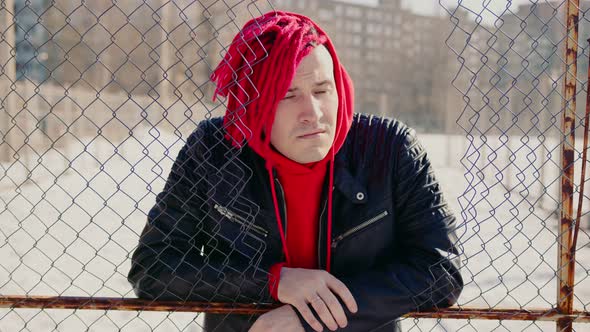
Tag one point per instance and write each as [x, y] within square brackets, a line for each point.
[283, 319]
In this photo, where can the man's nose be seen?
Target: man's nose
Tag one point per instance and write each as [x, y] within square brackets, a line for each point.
[311, 110]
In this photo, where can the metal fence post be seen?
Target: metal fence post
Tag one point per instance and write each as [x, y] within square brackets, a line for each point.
[565, 265]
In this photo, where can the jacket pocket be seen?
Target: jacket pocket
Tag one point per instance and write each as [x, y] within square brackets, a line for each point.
[360, 227]
[363, 245]
[241, 221]
[236, 235]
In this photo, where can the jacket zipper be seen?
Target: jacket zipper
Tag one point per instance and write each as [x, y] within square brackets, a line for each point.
[240, 220]
[284, 206]
[359, 227]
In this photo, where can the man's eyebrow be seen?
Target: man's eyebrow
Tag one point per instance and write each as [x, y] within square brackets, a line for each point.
[324, 82]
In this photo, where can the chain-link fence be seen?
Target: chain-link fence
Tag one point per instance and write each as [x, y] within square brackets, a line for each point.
[97, 98]
[519, 80]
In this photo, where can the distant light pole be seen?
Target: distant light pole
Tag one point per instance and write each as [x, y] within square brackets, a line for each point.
[164, 59]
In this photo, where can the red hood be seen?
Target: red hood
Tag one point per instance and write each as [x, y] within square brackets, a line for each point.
[255, 75]
[257, 71]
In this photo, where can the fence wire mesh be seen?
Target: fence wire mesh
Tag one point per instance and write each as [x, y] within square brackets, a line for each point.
[512, 70]
[97, 99]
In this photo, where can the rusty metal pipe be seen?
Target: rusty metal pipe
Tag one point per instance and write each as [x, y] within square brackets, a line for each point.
[503, 314]
[128, 304]
[565, 267]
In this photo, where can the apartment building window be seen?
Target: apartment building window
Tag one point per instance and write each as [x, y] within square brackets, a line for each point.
[373, 56]
[388, 30]
[373, 15]
[301, 4]
[353, 11]
[325, 14]
[357, 26]
[375, 28]
[354, 40]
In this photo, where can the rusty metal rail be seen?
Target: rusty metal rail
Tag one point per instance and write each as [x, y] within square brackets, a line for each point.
[126, 304]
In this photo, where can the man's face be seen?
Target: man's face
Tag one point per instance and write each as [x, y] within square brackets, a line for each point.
[305, 120]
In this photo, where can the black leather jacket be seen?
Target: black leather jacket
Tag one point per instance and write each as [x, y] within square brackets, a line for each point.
[212, 235]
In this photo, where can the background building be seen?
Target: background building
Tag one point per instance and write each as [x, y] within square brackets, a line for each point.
[162, 53]
[398, 60]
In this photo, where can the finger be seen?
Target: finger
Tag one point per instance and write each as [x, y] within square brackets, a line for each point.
[334, 306]
[322, 310]
[342, 291]
[309, 317]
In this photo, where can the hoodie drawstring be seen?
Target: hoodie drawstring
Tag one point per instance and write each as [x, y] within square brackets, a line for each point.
[329, 235]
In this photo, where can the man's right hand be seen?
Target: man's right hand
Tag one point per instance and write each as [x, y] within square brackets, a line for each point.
[302, 287]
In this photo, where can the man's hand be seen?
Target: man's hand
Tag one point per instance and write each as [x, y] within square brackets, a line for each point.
[301, 287]
[283, 319]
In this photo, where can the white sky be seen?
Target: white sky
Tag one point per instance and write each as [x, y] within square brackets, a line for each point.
[433, 7]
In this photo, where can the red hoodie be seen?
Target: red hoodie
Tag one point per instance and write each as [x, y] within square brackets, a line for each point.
[255, 75]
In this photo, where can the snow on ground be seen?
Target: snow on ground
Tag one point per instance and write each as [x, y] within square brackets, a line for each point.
[70, 230]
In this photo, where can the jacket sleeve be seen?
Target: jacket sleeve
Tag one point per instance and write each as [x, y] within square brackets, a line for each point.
[423, 272]
[179, 257]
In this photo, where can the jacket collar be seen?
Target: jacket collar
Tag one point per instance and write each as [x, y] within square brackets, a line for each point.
[225, 191]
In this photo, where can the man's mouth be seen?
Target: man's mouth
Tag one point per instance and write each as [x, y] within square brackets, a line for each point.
[312, 134]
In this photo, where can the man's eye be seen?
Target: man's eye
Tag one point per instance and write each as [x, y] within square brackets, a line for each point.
[288, 97]
[321, 92]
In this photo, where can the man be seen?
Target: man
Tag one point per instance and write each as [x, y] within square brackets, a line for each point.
[293, 198]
